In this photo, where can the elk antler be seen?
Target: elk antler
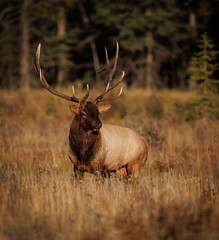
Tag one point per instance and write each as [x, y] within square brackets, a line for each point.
[111, 73]
[48, 87]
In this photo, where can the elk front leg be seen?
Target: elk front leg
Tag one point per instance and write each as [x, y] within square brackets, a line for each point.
[78, 174]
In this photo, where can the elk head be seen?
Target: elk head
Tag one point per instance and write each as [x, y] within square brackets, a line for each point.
[87, 112]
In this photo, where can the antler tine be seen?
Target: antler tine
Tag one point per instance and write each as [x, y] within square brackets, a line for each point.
[116, 84]
[111, 73]
[116, 59]
[73, 91]
[107, 58]
[45, 83]
[86, 95]
[113, 98]
[108, 88]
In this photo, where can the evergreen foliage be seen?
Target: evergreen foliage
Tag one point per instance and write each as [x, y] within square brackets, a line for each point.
[203, 65]
[156, 38]
[202, 69]
[201, 106]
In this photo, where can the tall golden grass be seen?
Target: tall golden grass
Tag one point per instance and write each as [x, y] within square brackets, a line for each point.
[176, 196]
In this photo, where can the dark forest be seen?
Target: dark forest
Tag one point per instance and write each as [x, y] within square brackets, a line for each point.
[157, 40]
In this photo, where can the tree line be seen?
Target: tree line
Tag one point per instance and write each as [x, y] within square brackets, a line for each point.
[157, 39]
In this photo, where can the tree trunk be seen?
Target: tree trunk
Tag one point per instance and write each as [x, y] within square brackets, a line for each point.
[149, 56]
[61, 27]
[192, 19]
[192, 24]
[95, 55]
[93, 47]
[149, 62]
[25, 48]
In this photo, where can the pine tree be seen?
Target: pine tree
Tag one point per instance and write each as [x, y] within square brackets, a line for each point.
[57, 34]
[203, 66]
[9, 44]
[24, 46]
[151, 35]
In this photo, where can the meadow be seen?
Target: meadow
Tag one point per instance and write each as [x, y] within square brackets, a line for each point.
[176, 196]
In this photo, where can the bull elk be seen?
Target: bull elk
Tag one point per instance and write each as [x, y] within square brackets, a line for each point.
[96, 147]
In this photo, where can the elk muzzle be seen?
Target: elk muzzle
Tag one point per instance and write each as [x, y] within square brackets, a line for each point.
[97, 126]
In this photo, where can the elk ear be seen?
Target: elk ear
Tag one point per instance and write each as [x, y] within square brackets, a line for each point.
[74, 109]
[104, 108]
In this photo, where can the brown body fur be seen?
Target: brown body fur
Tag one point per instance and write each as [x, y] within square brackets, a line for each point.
[110, 149]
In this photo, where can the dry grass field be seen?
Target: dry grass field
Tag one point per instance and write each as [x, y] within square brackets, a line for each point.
[177, 193]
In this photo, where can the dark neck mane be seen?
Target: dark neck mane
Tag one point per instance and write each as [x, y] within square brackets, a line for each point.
[83, 143]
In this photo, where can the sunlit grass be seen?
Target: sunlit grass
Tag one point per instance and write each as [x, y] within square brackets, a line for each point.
[176, 196]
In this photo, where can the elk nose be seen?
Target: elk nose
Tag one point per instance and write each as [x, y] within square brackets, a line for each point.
[98, 125]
